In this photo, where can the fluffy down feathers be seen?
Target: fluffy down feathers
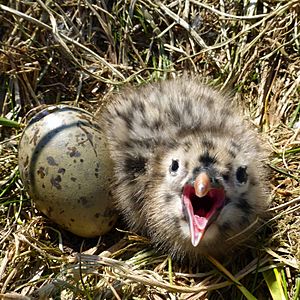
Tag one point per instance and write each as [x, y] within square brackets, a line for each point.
[188, 171]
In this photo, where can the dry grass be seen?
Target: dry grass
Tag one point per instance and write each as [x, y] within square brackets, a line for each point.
[78, 52]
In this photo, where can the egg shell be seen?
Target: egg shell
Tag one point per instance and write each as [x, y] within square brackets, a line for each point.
[66, 168]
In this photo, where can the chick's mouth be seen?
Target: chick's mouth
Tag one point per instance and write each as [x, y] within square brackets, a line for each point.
[200, 210]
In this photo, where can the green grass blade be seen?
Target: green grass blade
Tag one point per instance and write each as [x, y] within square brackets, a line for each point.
[297, 291]
[274, 283]
[9, 123]
[221, 268]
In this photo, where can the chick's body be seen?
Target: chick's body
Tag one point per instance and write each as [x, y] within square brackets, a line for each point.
[188, 172]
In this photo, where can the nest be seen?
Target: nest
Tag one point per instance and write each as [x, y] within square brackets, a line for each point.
[79, 53]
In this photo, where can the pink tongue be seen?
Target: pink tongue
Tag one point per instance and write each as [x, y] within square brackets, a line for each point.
[200, 222]
[197, 224]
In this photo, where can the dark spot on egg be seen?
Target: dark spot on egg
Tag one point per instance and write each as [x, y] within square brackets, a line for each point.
[55, 181]
[109, 212]
[73, 152]
[61, 170]
[41, 172]
[49, 211]
[83, 201]
[51, 161]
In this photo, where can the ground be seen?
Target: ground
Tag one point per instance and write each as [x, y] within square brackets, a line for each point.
[79, 53]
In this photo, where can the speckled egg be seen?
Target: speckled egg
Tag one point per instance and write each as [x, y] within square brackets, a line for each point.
[65, 166]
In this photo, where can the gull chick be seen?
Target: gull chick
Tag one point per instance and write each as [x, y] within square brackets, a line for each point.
[188, 171]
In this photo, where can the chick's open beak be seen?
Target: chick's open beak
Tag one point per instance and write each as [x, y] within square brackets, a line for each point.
[201, 201]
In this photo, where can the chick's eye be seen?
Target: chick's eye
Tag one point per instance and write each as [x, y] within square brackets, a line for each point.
[174, 166]
[241, 174]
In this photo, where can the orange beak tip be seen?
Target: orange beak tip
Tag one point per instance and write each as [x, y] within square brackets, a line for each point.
[202, 184]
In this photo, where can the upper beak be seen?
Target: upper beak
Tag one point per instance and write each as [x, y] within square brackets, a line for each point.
[202, 184]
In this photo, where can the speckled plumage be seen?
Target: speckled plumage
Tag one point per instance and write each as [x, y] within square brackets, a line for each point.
[184, 126]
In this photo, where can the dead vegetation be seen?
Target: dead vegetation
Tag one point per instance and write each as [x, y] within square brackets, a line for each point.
[78, 52]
